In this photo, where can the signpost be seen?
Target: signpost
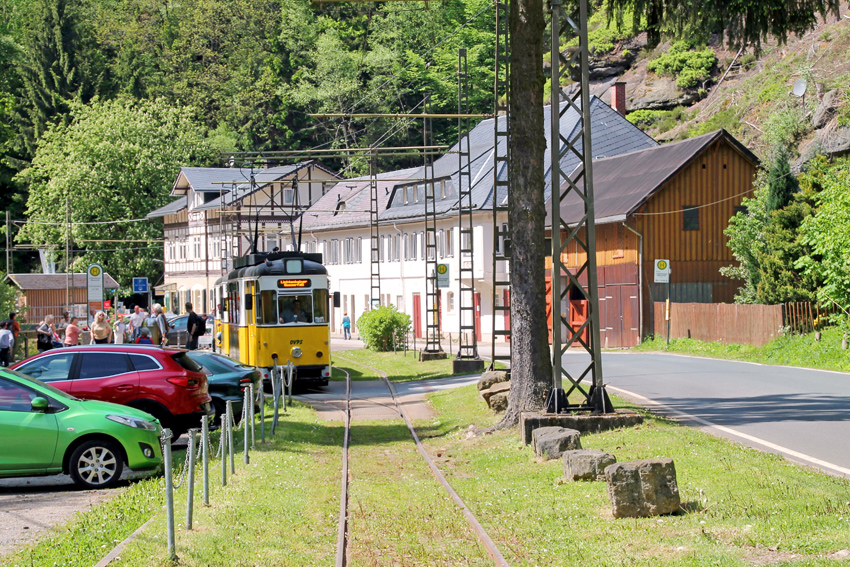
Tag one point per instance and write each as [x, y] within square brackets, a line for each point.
[94, 287]
[140, 285]
[442, 276]
[662, 275]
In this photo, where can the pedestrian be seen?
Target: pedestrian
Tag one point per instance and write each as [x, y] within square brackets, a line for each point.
[7, 341]
[137, 321]
[144, 337]
[72, 333]
[16, 330]
[346, 327]
[101, 330]
[44, 333]
[159, 326]
[194, 326]
[120, 328]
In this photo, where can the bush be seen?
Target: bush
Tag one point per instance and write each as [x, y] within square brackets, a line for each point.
[689, 67]
[378, 327]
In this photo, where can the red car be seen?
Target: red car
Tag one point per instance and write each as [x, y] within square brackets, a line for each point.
[163, 382]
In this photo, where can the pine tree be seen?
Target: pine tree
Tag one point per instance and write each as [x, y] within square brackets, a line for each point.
[781, 185]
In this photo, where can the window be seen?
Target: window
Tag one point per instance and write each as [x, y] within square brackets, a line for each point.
[404, 195]
[196, 241]
[416, 190]
[440, 240]
[450, 301]
[690, 218]
[102, 364]
[14, 397]
[442, 189]
[295, 308]
[320, 305]
[142, 363]
[448, 244]
[288, 196]
[395, 254]
[49, 368]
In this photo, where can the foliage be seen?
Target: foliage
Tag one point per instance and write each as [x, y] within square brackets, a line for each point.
[688, 66]
[742, 22]
[8, 297]
[114, 160]
[781, 185]
[828, 232]
[379, 327]
[604, 32]
[659, 120]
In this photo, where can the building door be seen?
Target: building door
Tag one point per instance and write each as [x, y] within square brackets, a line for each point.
[417, 316]
[506, 300]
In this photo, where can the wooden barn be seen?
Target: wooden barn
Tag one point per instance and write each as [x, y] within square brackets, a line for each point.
[669, 202]
[43, 294]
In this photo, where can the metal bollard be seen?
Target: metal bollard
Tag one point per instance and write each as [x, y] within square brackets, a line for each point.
[230, 436]
[169, 492]
[290, 372]
[250, 412]
[246, 406]
[205, 456]
[262, 415]
[223, 443]
[190, 486]
[275, 400]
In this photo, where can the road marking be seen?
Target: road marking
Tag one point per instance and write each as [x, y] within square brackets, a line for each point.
[784, 450]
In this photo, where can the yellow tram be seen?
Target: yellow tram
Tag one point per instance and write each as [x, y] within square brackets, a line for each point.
[272, 309]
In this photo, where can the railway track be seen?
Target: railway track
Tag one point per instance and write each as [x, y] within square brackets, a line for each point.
[342, 535]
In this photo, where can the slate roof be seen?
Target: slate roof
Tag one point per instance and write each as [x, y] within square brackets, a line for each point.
[623, 183]
[324, 214]
[56, 281]
[171, 208]
[612, 135]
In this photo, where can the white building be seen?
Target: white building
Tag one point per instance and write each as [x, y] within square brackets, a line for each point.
[337, 225]
[216, 215]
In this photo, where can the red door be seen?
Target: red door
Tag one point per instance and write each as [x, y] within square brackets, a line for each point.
[506, 300]
[417, 316]
[549, 307]
[578, 315]
[478, 316]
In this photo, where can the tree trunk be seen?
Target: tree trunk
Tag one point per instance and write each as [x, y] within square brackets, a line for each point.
[531, 368]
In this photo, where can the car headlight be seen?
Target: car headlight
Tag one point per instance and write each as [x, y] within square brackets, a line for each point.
[296, 352]
[132, 422]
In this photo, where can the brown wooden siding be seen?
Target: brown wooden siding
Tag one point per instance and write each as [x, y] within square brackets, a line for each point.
[740, 324]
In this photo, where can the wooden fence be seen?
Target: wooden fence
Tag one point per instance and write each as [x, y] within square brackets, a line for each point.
[725, 322]
[743, 324]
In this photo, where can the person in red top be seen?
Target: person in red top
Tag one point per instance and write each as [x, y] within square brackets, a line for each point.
[72, 333]
[15, 327]
[144, 339]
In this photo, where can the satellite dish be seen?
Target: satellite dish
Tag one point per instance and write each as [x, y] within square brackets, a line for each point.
[799, 88]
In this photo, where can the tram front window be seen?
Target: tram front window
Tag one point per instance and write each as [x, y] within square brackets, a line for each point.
[296, 308]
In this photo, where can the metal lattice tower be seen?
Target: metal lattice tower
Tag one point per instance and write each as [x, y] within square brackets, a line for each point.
[582, 235]
[374, 233]
[501, 149]
[468, 340]
[432, 294]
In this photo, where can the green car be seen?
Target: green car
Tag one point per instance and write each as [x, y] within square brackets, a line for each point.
[44, 431]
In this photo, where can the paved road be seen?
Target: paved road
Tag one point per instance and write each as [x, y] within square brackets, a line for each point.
[801, 413]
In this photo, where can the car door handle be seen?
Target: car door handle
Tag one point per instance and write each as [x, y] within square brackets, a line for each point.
[124, 387]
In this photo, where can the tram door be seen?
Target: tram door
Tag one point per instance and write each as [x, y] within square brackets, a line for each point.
[251, 323]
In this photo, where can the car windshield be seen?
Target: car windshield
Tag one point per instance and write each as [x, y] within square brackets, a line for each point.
[53, 391]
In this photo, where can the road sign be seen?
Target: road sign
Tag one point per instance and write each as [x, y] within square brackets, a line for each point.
[662, 271]
[442, 275]
[140, 285]
[94, 286]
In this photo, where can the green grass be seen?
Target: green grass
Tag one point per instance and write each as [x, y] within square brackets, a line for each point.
[400, 367]
[795, 350]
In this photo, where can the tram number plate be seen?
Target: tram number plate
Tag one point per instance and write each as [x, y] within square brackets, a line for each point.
[290, 284]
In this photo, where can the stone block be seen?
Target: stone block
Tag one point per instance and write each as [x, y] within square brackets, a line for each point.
[436, 355]
[499, 402]
[583, 422]
[586, 464]
[467, 365]
[499, 388]
[551, 442]
[493, 377]
[639, 489]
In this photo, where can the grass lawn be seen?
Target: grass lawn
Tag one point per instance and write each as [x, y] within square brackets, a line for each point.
[795, 350]
[400, 367]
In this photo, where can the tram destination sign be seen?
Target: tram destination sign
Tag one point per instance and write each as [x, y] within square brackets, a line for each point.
[293, 284]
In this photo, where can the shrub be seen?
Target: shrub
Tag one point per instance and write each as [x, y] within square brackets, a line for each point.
[689, 67]
[378, 327]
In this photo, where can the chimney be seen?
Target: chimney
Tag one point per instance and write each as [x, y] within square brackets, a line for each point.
[618, 97]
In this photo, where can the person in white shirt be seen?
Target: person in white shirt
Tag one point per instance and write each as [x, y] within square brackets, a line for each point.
[137, 321]
[7, 341]
[120, 328]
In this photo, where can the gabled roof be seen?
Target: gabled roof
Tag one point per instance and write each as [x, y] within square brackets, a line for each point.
[327, 214]
[623, 183]
[28, 282]
[218, 179]
[612, 135]
[171, 208]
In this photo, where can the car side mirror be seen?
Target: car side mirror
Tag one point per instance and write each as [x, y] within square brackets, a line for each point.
[40, 404]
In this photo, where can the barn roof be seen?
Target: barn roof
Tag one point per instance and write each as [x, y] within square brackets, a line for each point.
[28, 282]
[623, 183]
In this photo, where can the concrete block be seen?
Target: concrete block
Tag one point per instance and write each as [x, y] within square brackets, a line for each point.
[551, 442]
[639, 489]
[583, 422]
[586, 464]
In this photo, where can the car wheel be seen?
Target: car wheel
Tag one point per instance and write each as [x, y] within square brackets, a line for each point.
[96, 464]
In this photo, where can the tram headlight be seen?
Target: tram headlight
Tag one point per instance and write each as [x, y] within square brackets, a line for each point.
[296, 352]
